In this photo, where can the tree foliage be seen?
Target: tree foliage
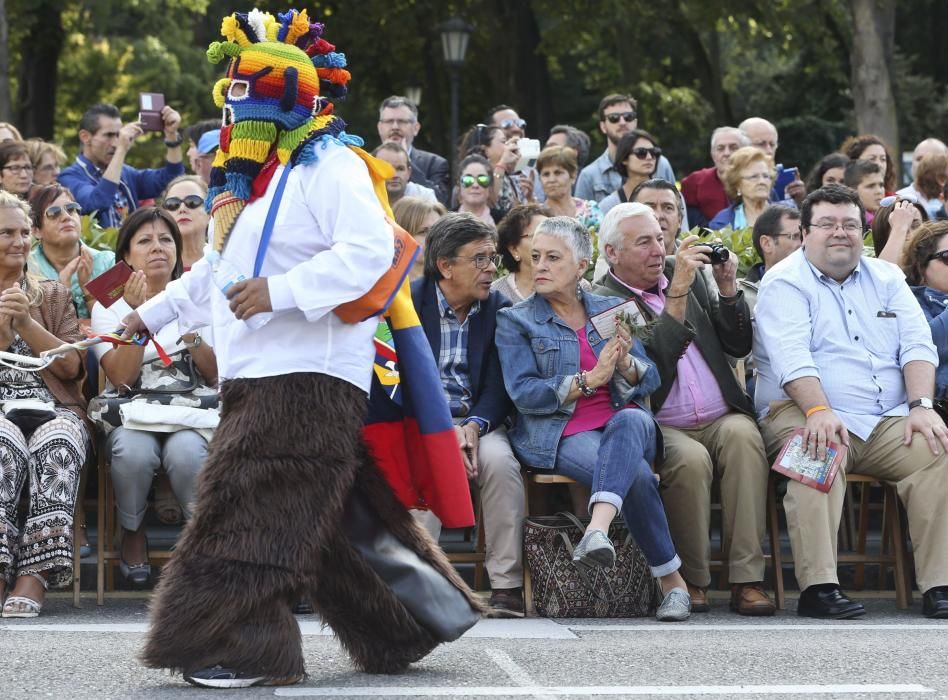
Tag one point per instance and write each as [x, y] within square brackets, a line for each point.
[692, 65]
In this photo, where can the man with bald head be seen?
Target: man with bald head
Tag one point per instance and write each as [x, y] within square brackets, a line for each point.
[928, 147]
[763, 135]
[704, 189]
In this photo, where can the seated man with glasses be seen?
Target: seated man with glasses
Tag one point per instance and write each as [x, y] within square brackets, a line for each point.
[458, 312]
[843, 351]
[599, 179]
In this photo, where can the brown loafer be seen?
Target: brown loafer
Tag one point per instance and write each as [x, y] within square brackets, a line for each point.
[699, 599]
[506, 602]
[750, 599]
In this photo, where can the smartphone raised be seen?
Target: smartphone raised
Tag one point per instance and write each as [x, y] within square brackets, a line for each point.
[150, 105]
[784, 177]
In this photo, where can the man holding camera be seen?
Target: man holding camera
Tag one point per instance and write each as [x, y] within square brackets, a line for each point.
[100, 180]
[707, 418]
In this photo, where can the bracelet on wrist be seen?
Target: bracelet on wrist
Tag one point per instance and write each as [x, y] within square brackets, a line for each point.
[677, 296]
[584, 388]
[816, 409]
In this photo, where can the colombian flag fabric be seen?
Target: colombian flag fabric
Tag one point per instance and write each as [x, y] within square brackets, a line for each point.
[409, 428]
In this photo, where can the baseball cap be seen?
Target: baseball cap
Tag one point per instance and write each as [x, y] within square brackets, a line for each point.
[209, 142]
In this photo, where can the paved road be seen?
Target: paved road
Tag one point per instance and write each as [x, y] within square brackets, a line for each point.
[90, 653]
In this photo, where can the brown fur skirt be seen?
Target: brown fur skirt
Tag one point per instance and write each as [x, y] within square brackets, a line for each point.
[266, 531]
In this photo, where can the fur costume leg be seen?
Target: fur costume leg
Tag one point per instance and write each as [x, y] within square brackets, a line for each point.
[267, 527]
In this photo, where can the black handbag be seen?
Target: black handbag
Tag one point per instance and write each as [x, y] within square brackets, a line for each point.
[178, 384]
[431, 599]
[560, 589]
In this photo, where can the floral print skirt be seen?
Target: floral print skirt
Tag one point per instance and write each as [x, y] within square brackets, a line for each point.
[50, 459]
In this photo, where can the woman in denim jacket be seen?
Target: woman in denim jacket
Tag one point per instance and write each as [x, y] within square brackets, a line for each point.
[577, 394]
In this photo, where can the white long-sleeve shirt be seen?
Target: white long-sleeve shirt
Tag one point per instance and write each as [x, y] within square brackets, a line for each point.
[330, 244]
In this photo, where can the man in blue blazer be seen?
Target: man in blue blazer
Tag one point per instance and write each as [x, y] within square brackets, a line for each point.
[458, 312]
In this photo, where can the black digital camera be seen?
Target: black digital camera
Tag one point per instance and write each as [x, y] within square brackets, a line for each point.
[719, 253]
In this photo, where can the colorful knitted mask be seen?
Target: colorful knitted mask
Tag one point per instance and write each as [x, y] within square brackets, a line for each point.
[271, 101]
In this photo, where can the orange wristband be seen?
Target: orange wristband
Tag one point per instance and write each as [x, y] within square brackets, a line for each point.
[816, 409]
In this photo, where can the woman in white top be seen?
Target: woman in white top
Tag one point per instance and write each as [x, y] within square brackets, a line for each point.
[150, 243]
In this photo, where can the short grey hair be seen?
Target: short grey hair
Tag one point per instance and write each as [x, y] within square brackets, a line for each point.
[751, 122]
[451, 233]
[396, 101]
[721, 130]
[571, 232]
[609, 233]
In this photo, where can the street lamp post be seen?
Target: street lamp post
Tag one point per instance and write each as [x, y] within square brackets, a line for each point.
[455, 34]
[413, 93]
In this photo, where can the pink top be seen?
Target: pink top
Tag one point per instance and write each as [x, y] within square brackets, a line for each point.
[592, 412]
[695, 398]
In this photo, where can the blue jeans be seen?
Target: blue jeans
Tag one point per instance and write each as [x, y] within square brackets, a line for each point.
[615, 462]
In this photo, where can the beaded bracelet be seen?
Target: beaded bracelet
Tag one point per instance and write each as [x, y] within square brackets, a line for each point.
[584, 388]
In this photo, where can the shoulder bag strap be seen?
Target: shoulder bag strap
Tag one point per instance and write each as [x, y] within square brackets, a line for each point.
[271, 219]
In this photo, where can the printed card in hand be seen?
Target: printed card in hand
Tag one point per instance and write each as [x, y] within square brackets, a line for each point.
[605, 322]
[794, 461]
[109, 287]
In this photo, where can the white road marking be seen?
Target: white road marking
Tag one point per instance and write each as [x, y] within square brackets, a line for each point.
[515, 671]
[625, 691]
[933, 626]
[534, 628]
[485, 629]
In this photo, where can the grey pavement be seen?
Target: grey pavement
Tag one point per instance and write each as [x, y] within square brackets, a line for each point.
[91, 653]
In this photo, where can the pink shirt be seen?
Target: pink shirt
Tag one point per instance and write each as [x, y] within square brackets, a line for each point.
[695, 398]
[592, 412]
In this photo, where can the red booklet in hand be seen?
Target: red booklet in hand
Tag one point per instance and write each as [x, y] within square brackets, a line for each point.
[794, 461]
[109, 287]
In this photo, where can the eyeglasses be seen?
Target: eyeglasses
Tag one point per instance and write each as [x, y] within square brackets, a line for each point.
[469, 180]
[940, 255]
[508, 123]
[792, 236]
[482, 262]
[757, 176]
[765, 144]
[627, 117]
[192, 201]
[847, 226]
[54, 212]
[641, 153]
[17, 169]
[48, 168]
[396, 122]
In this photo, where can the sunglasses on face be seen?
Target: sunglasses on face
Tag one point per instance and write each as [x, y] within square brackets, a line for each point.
[641, 153]
[627, 117]
[940, 255]
[192, 201]
[508, 123]
[469, 180]
[70, 208]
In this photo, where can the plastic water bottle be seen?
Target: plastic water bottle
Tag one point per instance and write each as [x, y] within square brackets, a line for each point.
[226, 275]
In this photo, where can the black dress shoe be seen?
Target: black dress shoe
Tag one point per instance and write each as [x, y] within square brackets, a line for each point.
[828, 602]
[935, 603]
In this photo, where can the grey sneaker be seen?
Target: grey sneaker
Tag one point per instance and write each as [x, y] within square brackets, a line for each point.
[676, 607]
[220, 677]
[595, 549]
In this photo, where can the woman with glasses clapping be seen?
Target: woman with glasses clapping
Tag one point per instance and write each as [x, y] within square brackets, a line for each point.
[637, 155]
[748, 180]
[184, 199]
[60, 253]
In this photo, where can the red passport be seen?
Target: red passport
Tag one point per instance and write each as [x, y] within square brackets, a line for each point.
[109, 287]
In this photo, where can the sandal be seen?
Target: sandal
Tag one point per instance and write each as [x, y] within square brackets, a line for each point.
[138, 576]
[166, 505]
[21, 606]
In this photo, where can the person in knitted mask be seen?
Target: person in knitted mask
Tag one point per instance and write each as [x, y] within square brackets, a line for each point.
[289, 485]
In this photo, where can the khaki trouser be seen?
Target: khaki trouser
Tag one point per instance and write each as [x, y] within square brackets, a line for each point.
[920, 478]
[730, 448]
[502, 508]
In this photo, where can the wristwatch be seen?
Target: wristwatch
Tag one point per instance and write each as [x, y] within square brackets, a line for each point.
[924, 402]
[177, 142]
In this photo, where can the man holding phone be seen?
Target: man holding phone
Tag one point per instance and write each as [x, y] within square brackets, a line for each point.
[101, 181]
